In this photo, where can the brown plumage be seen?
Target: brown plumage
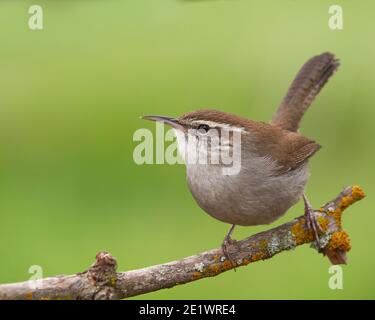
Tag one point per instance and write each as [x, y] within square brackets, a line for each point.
[289, 149]
[312, 77]
[273, 170]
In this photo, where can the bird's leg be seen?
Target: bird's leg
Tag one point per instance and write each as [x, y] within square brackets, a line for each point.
[228, 241]
[311, 220]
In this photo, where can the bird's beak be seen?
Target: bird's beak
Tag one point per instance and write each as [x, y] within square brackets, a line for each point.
[170, 121]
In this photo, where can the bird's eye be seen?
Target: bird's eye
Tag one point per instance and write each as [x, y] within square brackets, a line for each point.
[203, 128]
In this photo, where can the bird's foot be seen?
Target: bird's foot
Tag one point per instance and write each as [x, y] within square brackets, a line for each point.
[228, 245]
[312, 221]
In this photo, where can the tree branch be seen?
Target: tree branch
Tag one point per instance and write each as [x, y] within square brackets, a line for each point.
[101, 281]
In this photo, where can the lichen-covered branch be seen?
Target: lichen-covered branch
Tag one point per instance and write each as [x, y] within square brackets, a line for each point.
[101, 281]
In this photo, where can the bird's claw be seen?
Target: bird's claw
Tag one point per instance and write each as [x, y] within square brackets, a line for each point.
[312, 222]
[227, 245]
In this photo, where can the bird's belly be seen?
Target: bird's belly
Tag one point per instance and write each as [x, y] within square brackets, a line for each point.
[249, 198]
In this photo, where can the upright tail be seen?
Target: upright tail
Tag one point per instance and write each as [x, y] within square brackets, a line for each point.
[312, 77]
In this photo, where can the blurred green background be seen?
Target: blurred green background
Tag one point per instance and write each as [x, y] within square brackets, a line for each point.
[70, 100]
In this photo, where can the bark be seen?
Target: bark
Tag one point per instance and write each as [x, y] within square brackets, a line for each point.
[101, 281]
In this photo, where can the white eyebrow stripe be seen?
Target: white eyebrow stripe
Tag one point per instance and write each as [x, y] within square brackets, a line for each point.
[218, 124]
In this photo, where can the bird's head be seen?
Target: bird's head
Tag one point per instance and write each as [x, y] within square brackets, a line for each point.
[208, 131]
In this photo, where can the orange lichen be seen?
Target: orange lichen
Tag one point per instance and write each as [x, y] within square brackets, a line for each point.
[29, 296]
[340, 240]
[323, 222]
[197, 275]
[346, 202]
[300, 233]
[336, 214]
[216, 257]
[216, 268]
[227, 264]
[257, 256]
[357, 193]
[212, 270]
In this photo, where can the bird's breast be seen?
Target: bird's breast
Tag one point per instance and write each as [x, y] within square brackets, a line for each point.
[256, 195]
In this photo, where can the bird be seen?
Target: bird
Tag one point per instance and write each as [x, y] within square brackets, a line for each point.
[273, 156]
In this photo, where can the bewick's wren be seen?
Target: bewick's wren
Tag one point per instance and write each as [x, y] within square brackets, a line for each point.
[274, 156]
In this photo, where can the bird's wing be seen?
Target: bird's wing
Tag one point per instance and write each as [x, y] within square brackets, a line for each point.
[288, 149]
[312, 77]
[302, 154]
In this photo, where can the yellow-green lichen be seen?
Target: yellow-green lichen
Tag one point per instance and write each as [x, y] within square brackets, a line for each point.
[263, 244]
[274, 246]
[288, 241]
[113, 281]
